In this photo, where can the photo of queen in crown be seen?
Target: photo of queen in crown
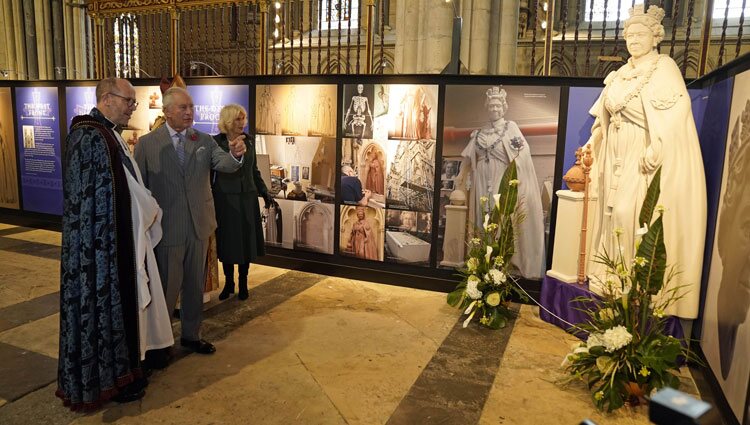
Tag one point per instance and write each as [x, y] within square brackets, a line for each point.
[484, 159]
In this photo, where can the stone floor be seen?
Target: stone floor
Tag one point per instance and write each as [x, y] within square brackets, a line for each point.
[305, 348]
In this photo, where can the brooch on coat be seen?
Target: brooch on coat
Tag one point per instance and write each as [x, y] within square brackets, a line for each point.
[665, 100]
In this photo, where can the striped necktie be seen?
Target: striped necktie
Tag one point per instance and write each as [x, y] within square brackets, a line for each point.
[180, 148]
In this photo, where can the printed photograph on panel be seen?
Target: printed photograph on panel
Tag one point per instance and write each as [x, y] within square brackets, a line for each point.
[411, 175]
[313, 227]
[383, 98]
[362, 232]
[8, 169]
[289, 156]
[487, 127]
[358, 119]
[146, 116]
[296, 110]
[363, 171]
[407, 237]
[412, 112]
[726, 324]
[299, 157]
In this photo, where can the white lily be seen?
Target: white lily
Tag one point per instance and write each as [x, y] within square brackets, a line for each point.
[468, 320]
[496, 197]
[488, 255]
[468, 309]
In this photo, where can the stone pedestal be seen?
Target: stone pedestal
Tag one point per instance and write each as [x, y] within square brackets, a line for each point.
[454, 241]
[568, 235]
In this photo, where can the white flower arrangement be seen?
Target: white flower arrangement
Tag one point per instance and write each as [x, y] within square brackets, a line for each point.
[497, 277]
[471, 288]
[628, 353]
[485, 290]
[616, 338]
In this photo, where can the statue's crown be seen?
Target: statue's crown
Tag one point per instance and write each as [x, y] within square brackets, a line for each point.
[496, 93]
[654, 12]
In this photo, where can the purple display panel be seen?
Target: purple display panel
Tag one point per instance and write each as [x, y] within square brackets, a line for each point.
[578, 128]
[210, 99]
[78, 101]
[39, 150]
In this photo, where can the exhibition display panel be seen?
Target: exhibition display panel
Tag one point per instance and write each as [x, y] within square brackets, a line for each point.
[394, 173]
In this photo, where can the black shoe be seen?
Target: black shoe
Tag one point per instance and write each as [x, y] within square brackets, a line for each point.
[158, 359]
[242, 295]
[202, 346]
[127, 396]
[227, 291]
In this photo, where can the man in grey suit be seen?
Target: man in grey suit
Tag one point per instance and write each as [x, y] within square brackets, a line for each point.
[176, 162]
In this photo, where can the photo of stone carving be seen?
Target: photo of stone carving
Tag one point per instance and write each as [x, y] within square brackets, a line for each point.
[367, 159]
[273, 224]
[381, 99]
[726, 318]
[362, 232]
[267, 113]
[414, 115]
[373, 170]
[314, 227]
[292, 119]
[28, 137]
[349, 151]
[154, 100]
[358, 120]
[323, 119]
[411, 176]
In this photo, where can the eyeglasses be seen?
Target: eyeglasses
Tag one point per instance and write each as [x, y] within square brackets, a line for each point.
[131, 102]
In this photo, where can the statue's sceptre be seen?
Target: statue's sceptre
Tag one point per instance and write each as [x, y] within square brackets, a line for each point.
[578, 179]
[587, 161]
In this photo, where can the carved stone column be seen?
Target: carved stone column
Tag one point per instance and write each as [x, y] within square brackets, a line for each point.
[44, 38]
[79, 55]
[174, 40]
[437, 36]
[480, 33]
[9, 30]
[475, 39]
[68, 28]
[508, 42]
[407, 32]
[454, 239]
[58, 39]
[369, 40]
[494, 50]
[29, 31]
[264, 38]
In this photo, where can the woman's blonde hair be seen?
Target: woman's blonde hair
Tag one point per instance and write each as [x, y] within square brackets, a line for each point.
[228, 114]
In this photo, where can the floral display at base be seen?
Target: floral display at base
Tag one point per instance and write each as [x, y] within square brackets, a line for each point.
[487, 285]
[628, 354]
